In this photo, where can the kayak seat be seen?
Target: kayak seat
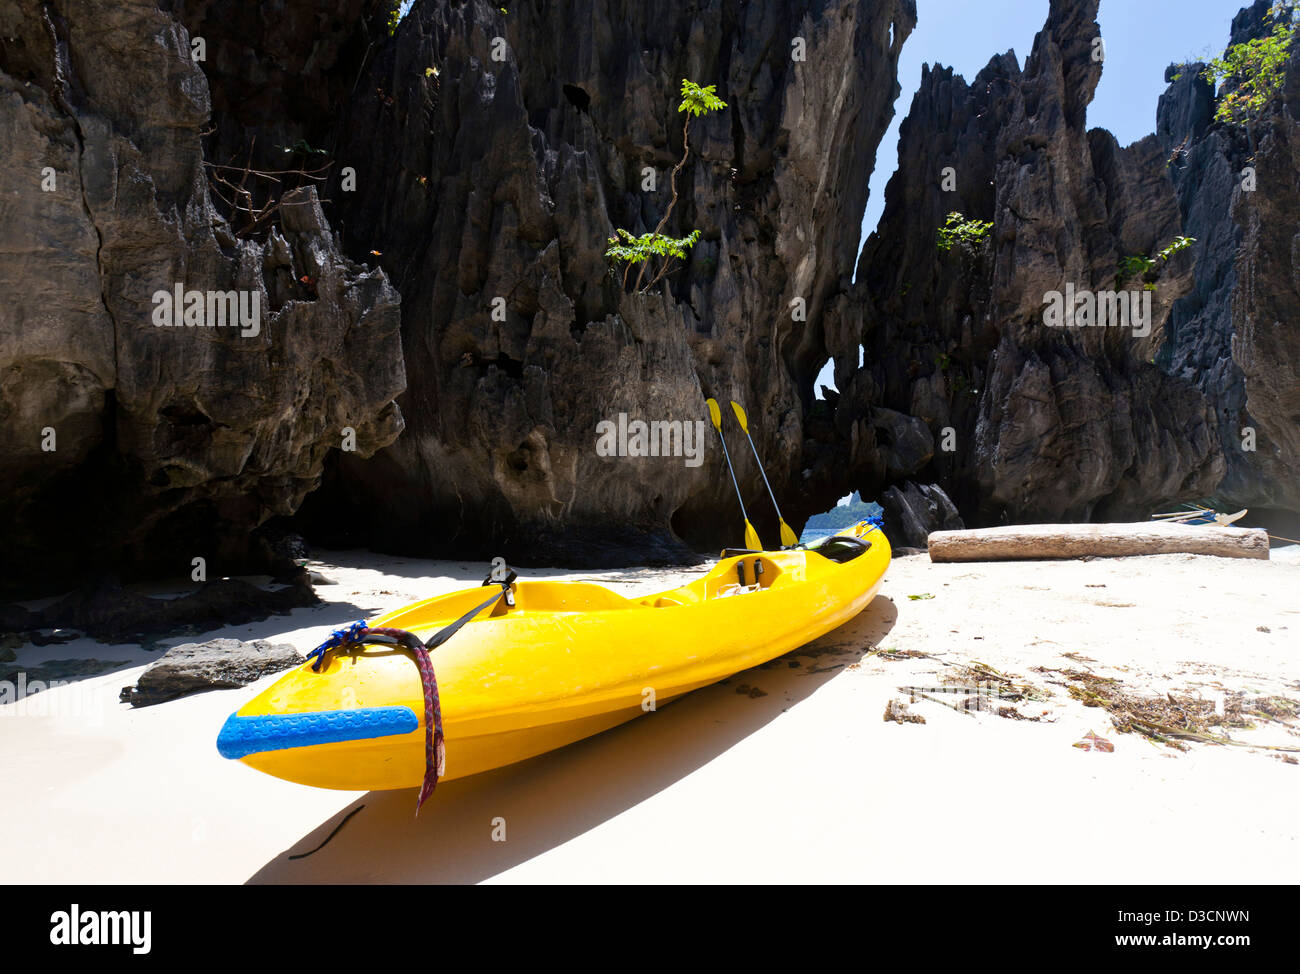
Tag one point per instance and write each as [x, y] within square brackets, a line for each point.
[842, 548]
[743, 575]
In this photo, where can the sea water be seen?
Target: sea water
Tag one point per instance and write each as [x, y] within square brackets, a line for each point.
[816, 534]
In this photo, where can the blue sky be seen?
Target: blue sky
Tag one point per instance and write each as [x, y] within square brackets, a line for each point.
[1142, 37]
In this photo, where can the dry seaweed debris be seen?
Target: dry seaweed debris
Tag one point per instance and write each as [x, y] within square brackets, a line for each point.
[893, 655]
[1008, 686]
[923, 693]
[981, 684]
[1173, 720]
[1281, 709]
[896, 710]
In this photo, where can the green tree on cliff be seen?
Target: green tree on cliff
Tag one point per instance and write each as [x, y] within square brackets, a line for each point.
[654, 248]
[1254, 71]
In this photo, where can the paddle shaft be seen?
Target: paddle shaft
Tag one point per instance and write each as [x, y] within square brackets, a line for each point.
[735, 483]
[766, 483]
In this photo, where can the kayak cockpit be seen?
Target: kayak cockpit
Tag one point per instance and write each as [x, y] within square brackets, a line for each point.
[745, 573]
[741, 574]
[527, 596]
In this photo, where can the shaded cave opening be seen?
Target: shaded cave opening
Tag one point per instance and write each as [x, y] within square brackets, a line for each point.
[577, 97]
[848, 511]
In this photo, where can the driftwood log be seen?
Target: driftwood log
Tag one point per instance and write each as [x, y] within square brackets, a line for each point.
[1034, 541]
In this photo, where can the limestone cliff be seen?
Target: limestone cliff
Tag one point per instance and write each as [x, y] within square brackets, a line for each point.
[1237, 335]
[1041, 423]
[496, 152]
[128, 446]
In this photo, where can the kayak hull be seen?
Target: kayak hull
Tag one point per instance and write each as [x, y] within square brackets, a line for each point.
[567, 661]
[376, 765]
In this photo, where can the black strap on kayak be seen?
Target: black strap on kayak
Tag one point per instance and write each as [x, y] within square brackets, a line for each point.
[358, 634]
[446, 632]
[506, 582]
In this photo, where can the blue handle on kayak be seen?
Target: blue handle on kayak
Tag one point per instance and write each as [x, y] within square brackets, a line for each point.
[242, 736]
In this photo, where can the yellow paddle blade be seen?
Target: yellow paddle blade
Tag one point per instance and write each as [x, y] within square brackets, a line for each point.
[751, 538]
[740, 415]
[788, 538]
[715, 414]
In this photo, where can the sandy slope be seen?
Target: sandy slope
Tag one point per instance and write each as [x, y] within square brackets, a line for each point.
[805, 782]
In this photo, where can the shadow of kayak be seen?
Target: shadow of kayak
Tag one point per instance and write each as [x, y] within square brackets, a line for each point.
[552, 798]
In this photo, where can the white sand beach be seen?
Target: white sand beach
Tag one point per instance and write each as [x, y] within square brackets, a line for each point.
[785, 773]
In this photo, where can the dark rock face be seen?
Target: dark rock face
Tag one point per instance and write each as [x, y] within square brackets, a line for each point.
[1266, 306]
[911, 513]
[493, 154]
[1205, 167]
[489, 180]
[127, 444]
[218, 664]
[281, 72]
[1040, 423]
[1237, 336]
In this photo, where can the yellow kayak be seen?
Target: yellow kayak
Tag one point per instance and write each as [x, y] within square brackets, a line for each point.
[565, 661]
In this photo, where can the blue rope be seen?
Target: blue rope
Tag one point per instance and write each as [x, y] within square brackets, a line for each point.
[350, 633]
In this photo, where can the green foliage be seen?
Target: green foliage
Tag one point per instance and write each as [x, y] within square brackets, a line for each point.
[1256, 68]
[627, 249]
[957, 229]
[700, 101]
[649, 248]
[1135, 266]
[394, 16]
[1140, 266]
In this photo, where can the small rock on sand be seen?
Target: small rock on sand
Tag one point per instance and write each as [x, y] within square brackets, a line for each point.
[213, 665]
